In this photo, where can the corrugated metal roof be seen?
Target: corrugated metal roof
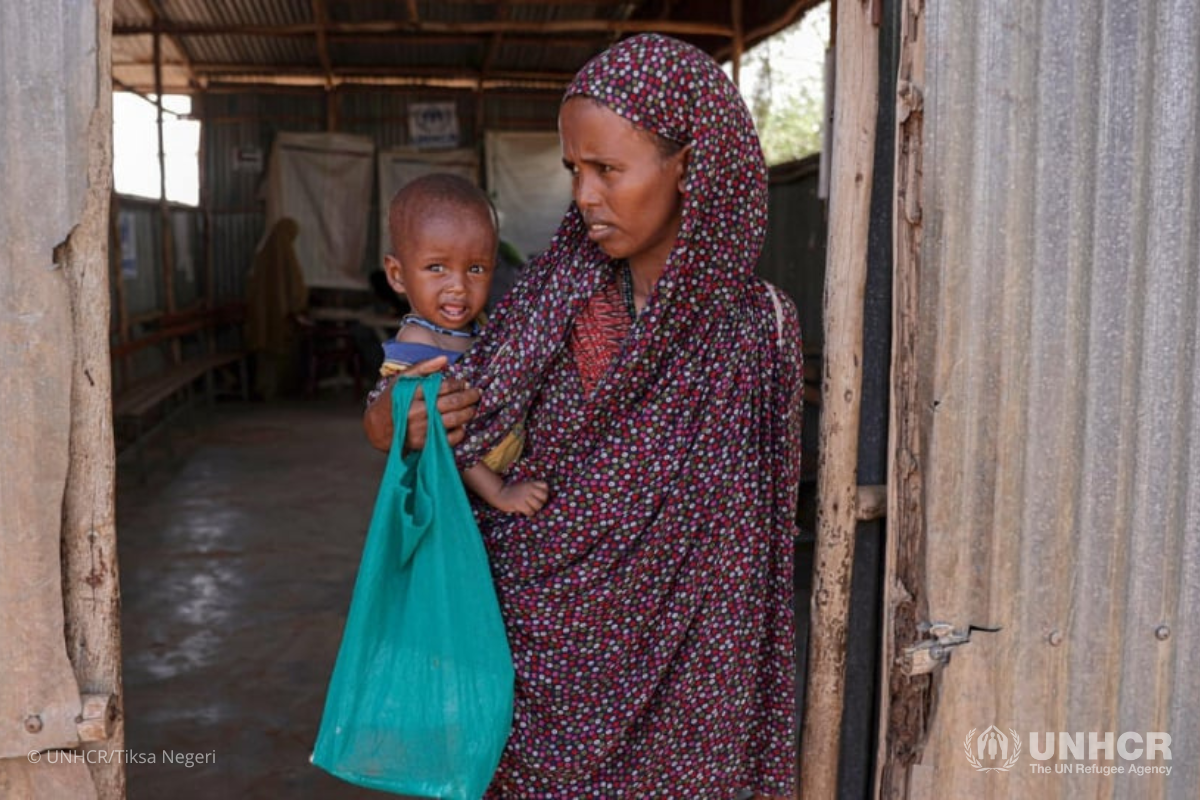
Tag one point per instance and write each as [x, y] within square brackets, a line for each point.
[1060, 335]
[210, 42]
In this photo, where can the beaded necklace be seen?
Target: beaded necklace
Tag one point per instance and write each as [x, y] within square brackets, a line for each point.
[430, 326]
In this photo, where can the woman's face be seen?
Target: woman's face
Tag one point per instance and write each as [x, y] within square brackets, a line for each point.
[626, 189]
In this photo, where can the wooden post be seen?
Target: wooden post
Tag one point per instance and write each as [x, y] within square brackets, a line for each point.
[480, 118]
[321, 17]
[210, 296]
[332, 122]
[91, 592]
[166, 237]
[739, 41]
[855, 109]
[905, 700]
[158, 112]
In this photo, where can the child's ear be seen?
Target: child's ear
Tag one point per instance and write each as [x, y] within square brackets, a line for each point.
[395, 275]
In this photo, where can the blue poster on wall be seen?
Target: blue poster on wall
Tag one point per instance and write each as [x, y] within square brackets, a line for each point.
[433, 124]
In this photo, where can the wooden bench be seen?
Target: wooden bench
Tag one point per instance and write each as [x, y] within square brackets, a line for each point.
[187, 346]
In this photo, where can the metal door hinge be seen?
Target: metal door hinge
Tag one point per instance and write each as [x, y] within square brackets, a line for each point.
[927, 654]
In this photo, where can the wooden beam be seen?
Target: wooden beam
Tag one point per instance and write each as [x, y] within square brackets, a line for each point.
[153, 9]
[549, 82]
[546, 28]
[200, 109]
[321, 18]
[855, 110]
[399, 75]
[158, 117]
[166, 238]
[407, 39]
[91, 594]
[489, 57]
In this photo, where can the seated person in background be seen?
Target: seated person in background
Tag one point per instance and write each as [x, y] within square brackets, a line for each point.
[276, 302]
[444, 238]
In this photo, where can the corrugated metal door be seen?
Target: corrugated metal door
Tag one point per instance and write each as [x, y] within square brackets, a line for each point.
[1047, 408]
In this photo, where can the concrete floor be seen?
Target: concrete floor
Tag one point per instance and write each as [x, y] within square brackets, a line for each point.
[238, 556]
[237, 562]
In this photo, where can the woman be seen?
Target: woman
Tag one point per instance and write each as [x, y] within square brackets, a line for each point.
[276, 299]
[649, 603]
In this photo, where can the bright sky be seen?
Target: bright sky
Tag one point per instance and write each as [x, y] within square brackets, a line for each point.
[135, 147]
[797, 55]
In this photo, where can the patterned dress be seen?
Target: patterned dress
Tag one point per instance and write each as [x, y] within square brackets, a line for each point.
[649, 603]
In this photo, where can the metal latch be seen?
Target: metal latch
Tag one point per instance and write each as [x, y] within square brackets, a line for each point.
[922, 657]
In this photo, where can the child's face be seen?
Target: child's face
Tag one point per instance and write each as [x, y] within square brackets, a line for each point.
[444, 264]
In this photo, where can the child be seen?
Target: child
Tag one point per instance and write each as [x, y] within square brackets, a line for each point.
[444, 241]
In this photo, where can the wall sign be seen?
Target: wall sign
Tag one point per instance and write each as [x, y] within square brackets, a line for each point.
[433, 124]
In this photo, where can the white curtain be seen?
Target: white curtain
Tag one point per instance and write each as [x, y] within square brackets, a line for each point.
[529, 186]
[400, 166]
[323, 181]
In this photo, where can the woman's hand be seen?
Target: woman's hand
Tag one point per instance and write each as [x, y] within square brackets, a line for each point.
[455, 402]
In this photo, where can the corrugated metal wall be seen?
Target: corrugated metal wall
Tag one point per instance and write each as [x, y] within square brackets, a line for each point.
[793, 256]
[234, 128]
[140, 267]
[1058, 355]
[141, 296]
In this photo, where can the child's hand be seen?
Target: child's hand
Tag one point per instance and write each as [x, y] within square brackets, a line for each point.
[526, 497]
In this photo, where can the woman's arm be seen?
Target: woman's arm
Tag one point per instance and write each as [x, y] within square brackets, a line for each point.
[455, 402]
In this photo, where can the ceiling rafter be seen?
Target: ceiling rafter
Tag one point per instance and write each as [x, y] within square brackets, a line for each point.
[475, 39]
[493, 46]
[153, 8]
[561, 41]
[214, 72]
[535, 83]
[321, 17]
[548, 28]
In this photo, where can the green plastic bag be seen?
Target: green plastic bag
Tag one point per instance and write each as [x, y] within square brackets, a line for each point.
[420, 701]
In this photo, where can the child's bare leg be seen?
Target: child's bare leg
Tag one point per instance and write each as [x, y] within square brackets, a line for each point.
[525, 497]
